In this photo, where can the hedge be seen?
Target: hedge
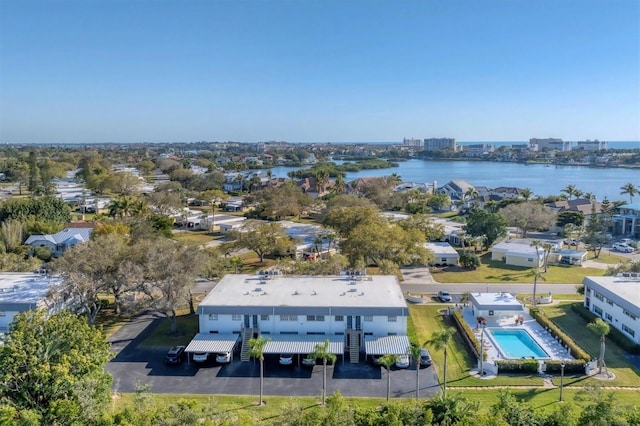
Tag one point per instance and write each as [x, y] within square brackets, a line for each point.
[614, 335]
[518, 366]
[570, 367]
[576, 351]
[468, 336]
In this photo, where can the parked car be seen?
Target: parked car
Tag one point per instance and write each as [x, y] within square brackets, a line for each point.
[174, 356]
[308, 362]
[444, 296]
[425, 358]
[402, 361]
[286, 359]
[622, 247]
[223, 357]
[200, 356]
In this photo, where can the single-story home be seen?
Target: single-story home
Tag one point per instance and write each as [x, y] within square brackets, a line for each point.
[443, 253]
[518, 253]
[63, 240]
[495, 305]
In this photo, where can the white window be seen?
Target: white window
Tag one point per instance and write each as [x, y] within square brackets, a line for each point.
[315, 317]
[598, 296]
[264, 317]
[236, 317]
[609, 317]
[213, 317]
[628, 330]
[288, 318]
[339, 318]
[3, 314]
[368, 318]
[597, 310]
[629, 314]
[392, 318]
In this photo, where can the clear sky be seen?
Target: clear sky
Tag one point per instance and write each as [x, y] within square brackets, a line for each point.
[318, 70]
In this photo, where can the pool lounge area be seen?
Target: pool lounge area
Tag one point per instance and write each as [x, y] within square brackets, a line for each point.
[515, 344]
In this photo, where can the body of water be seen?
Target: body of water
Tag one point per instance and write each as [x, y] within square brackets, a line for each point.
[542, 179]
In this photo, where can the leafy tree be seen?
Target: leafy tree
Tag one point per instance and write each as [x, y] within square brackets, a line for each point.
[11, 234]
[321, 351]
[261, 238]
[567, 217]
[470, 260]
[596, 233]
[630, 189]
[453, 410]
[516, 413]
[439, 341]
[422, 222]
[344, 219]
[529, 216]
[601, 328]
[53, 366]
[38, 209]
[257, 351]
[387, 361]
[491, 225]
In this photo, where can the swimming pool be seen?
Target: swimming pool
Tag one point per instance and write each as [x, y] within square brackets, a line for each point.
[517, 344]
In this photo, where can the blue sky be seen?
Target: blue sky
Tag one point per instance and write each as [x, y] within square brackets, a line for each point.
[315, 71]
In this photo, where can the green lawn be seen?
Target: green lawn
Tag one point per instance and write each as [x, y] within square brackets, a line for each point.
[162, 338]
[193, 237]
[576, 327]
[498, 272]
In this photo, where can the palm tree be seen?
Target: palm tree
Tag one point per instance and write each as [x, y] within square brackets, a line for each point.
[601, 328]
[570, 190]
[526, 194]
[236, 262]
[339, 185]
[394, 180]
[465, 298]
[387, 361]
[630, 189]
[439, 341]
[414, 352]
[321, 351]
[257, 351]
[471, 193]
[547, 247]
[537, 274]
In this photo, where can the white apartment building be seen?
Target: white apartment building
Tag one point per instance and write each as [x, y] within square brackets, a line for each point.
[594, 145]
[438, 144]
[295, 312]
[616, 300]
[551, 143]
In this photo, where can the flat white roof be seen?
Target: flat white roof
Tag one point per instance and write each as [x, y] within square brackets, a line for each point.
[440, 248]
[626, 288]
[392, 345]
[17, 288]
[213, 343]
[516, 247]
[496, 301]
[301, 344]
[239, 290]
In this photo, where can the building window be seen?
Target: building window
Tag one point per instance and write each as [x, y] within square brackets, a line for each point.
[392, 334]
[264, 317]
[213, 317]
[628, 330]
[3, 314]
[289, 332]
[490, 313]
[597, 310]
[339, 333]
[392, 318]
[609, 317]
[368, 318]
[339, 318]
[530, 259]
[315, 317]
[610, 302]
[629, 314]
[315, 333]
[598, 296]
[236, 317]
[288, 318]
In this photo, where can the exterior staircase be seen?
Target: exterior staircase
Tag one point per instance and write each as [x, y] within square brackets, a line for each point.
[354, 346]
[247, 334]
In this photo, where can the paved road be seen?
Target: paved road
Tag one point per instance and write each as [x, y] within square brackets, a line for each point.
[133, 366]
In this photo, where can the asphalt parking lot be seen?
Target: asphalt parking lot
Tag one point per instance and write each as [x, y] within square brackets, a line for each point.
[132, 366]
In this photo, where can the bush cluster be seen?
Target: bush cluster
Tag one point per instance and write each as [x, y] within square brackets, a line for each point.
[518, 366]
[570, 367]
[469, 338]
[615, 335]
[576, 351]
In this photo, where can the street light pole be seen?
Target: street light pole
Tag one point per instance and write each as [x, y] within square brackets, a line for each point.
[482, 349]
[562, 365]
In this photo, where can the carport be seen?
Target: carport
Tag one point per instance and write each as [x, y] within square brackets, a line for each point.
[392, 345]
[212, 343]
[301, 344]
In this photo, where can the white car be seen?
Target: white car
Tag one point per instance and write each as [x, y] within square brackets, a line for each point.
[402, 361]
[223, 357]
[308, 362]
[622, 247]
[200, 356]
[286, 359]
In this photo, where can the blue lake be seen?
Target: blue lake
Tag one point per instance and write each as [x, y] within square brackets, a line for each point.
[541, 179]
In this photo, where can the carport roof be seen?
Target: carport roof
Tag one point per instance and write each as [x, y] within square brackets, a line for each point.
[207, 342]
[301, 344]
[392, 345]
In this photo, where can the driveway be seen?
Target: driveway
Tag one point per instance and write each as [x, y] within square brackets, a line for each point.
[132, 366]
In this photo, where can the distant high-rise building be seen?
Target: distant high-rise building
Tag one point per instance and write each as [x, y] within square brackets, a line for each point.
[412, 142]
[594, 145]
[551, 143]
[438, 144]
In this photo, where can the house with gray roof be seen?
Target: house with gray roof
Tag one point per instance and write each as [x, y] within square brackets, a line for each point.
[63, 240]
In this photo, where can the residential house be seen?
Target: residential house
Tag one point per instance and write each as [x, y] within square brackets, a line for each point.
[616, 300]
[443, 254]
[627, 221]
[455, 189]
[74, 233]
[518, 252]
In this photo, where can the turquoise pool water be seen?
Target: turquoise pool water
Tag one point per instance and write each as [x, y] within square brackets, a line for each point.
[517, 344]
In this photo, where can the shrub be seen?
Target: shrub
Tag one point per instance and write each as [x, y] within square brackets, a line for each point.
[469, 337]
[518, 366]
[469, 260]
[570, 367]
[614, 335]
[576, 351]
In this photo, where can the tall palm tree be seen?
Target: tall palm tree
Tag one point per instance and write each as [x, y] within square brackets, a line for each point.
[257, 351]
[321, 351]
[394, 180]
[414, 352]
[387, 361]
[465, 298]
[547, 247]
[537, 274]
[439, 341]
[526, 194]
[629, 188]
[471, 193]
[570, 190]
[339, 185]
[601, 328]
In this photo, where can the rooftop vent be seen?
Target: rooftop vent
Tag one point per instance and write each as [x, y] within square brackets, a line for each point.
[257, 289]
[352, 290]
[313, 293]
[295, 293]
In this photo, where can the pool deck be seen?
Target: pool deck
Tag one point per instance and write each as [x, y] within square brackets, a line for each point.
[551, 346]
